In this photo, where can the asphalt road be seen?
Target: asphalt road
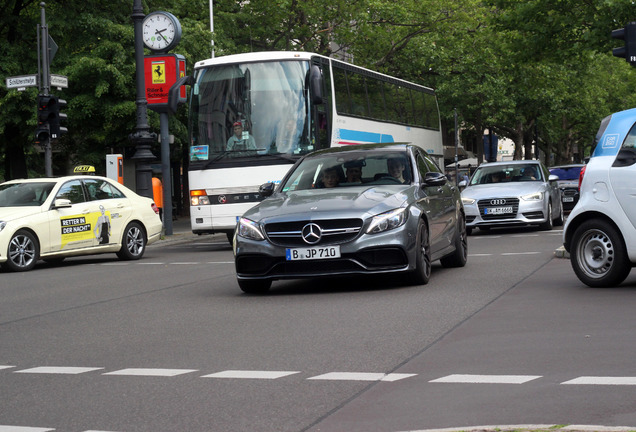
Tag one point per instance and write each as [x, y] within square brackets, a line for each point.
[169, 343]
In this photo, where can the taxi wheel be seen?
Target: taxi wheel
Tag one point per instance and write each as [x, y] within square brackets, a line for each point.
[133, 244]
[598, 254]
[422, 272]
[23, 252]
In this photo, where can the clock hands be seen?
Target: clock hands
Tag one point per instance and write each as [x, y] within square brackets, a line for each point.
[159, 32]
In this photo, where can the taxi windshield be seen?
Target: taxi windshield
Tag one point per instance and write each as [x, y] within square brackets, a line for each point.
[24, 194]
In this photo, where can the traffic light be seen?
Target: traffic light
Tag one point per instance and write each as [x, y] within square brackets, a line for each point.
[628, 34]
[56, 117]
[42, 132]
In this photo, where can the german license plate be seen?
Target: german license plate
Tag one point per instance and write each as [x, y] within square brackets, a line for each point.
[568, 199]
[313, 253]
[498, 210]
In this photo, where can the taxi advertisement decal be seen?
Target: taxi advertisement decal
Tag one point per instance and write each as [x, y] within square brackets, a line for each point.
[86, 228]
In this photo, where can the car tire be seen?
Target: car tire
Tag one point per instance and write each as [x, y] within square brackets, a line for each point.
[559, 220]
[598, 254]
[547, 225]
[460, 256]
[254, 286]
[23, 252]
[422, 272]
[469, 231]
[133, 243]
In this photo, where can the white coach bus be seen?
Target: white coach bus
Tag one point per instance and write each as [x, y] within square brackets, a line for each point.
[253, 115]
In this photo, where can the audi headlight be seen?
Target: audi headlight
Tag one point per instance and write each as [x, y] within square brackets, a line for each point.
[537, 196]
[249, 229]
[387, 221]
[468, 201]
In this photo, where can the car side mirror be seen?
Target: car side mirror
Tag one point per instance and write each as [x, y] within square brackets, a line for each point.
[463, 184]
[267, 189]
[62, 203]
[434, 179]
[553, 177]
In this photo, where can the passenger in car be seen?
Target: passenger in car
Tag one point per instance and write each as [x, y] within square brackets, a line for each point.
[354, 171]
[330, 177]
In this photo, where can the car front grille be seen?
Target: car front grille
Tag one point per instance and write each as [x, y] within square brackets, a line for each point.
[290, 234]
[493, 204]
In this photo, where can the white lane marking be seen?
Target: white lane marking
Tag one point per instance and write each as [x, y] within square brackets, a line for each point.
[360, 376]
[58, 370]
[4, 428]
[151, 372]
[151, 263]
[525, 235]
[6, 367]
[250, 374]
[220, 262]
[186, 263]
[598, 380]
[480, 255]
[486, 379]
[520, 253]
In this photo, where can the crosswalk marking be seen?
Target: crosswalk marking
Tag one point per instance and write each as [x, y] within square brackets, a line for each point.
[360, 376]
[151, 372]
[486, 379]
[329, 376]
[597, 380]
[58, 370]
[250, 374]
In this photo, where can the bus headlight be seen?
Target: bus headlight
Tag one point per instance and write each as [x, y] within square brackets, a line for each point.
[387, 221]
[249, 229]
[199, 197]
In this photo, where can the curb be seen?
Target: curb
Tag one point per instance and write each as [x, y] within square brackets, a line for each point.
[534, 428]
[561, 253]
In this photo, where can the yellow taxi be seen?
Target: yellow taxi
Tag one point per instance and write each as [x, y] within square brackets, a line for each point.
[53, 218]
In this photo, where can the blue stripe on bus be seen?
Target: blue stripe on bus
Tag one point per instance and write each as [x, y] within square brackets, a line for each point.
[353, 135]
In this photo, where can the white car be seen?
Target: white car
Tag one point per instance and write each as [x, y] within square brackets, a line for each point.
[512, 193]
[52, 218]
[600, 233]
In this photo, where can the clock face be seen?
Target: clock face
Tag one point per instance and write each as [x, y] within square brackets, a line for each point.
[161, 31]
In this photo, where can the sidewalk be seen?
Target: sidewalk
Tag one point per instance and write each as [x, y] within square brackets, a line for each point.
[182, 232]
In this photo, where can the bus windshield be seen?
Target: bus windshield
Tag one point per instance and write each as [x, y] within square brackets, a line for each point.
[250, 110]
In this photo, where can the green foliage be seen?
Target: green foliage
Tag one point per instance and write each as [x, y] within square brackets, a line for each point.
[515, 66]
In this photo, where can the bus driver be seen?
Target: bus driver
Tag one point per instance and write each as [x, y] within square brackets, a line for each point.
[239, 141]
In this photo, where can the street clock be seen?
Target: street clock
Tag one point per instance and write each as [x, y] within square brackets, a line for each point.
[161, 31]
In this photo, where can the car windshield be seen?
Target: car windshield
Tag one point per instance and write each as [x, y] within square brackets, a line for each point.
[506, 173]
[350, 169]
[24, 194]
[566, 173]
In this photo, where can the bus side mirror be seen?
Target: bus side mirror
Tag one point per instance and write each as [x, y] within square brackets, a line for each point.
[315, 85]
[173, 93]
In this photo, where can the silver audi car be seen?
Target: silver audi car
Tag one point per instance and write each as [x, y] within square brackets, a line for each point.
[363, 209]
[501, 194]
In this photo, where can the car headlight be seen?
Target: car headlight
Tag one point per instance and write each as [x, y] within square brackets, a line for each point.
[468, 201]
[2, 225]
[387, 221]
[249, 229]
[537, 196]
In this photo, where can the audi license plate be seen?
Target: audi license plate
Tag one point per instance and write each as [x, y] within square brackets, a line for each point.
[313, 253]
[498, 210]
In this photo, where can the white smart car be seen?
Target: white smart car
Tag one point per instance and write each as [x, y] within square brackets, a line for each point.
[600, 233]
[52, 218]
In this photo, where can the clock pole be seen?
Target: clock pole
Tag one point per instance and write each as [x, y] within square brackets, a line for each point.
[142, 138]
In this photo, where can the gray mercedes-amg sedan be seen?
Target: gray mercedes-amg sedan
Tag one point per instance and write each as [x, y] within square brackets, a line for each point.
[360, 209]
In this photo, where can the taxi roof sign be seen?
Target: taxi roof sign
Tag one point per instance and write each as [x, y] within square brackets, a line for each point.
[86, 169]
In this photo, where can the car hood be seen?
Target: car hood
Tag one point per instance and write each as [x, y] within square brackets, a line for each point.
[10, 213]
[507, 189]
[313, 204]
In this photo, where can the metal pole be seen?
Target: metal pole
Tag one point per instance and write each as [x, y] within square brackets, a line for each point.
[212, 24]
[165, 172]
[46, 80]
[142, 138]
[456, 150]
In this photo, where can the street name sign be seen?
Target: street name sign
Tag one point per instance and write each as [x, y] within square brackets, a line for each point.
[59, 81]
[22, 81]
